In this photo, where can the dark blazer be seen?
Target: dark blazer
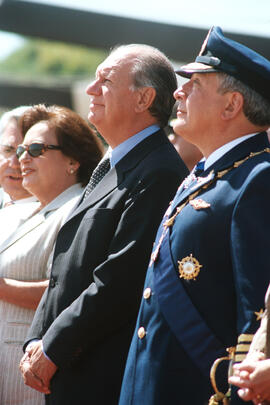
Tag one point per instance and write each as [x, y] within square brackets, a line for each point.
[87, 316]
[184, 324]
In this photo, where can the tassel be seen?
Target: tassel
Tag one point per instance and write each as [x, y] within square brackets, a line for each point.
[218, 399]
[214, 400]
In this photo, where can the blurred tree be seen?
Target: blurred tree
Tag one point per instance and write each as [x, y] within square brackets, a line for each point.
[50, 58]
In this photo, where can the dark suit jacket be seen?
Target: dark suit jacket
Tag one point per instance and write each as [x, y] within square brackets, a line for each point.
[189, 323]
[87, 316]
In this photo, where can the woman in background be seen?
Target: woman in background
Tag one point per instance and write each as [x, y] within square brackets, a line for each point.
[57, 157]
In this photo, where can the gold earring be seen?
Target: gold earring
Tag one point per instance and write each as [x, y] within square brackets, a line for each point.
[71, 171]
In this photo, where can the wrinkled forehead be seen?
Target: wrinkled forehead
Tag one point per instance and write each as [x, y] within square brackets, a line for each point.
[11, 133]
[9, 124]
[118, 59]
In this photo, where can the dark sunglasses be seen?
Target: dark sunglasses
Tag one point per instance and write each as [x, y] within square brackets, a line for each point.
[35, 149]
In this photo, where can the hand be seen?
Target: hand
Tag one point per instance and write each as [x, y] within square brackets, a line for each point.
[37, 370]
[29, 378]
[253, 378]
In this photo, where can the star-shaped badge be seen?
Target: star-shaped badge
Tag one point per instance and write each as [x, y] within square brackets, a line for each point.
[189, 268]
[259, 314]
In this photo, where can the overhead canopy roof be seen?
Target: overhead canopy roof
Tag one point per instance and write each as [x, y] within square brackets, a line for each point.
[77, 26]
[104, 31]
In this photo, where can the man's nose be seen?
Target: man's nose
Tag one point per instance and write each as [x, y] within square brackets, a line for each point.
[178, 94]
[14, 162]
[93, 88]
[182, 91]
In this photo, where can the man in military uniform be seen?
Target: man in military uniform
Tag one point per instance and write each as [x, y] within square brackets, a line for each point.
[209, 268]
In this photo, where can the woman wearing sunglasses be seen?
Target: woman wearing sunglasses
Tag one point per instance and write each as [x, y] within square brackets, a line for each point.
[57, 156]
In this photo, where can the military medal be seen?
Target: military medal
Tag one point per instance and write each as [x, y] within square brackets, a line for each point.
[189, 268]
[199, 204]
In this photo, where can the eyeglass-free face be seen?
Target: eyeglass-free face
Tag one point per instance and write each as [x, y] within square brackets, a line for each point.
[7, 151]
[35, 149]
[10, 172]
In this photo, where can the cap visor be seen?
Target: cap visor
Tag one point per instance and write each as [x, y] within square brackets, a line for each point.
[188, 70]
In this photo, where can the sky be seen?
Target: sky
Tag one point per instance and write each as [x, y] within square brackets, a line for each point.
[240, 16]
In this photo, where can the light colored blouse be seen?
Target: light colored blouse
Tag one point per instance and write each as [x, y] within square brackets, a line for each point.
[24, 256]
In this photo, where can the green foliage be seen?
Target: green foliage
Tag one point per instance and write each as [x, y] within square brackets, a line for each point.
[49, 59]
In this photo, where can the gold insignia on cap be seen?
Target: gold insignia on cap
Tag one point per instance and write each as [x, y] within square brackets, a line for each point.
[205, 42]
[189, 268]
[199, 204]
[259, 314]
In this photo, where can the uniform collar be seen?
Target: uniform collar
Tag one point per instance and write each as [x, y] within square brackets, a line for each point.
[218, 153]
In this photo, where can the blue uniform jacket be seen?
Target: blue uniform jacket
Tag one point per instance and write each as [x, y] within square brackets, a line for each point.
[221, 237]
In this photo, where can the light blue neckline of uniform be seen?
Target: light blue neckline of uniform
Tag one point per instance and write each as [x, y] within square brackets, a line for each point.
[123, 148]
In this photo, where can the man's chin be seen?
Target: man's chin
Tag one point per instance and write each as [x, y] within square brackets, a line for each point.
[18, 194]
[179, 128]
[93, 118]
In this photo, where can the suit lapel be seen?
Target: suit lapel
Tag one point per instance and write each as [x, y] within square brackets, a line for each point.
[109, 182]
[117, 174]
[35, 220]
[25, 228]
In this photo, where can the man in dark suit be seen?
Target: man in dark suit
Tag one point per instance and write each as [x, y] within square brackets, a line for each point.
[210, 264]
[86, 319]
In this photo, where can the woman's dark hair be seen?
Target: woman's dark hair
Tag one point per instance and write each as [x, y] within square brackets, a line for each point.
[73, 134]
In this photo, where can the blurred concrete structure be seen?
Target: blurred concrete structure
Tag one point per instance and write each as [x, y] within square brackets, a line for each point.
[73, 25]
[79, 98]
[17, 92]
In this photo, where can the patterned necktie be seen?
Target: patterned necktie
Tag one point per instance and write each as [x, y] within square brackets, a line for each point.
[102, 168]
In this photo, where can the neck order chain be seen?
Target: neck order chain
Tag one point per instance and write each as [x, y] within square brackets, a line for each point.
[218, 175]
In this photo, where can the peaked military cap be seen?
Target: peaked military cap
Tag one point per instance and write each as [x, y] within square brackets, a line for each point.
[221, 54]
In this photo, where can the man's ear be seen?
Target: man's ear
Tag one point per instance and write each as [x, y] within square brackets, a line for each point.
[234, 105]
[145, 98]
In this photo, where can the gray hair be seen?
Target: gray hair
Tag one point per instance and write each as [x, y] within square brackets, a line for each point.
[14, 114]
[152, 68]
[256, 108]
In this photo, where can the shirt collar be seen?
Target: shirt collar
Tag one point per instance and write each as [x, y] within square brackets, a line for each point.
[6, 199]
[123, 148]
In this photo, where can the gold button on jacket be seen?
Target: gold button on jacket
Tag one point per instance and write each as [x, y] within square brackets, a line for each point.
[141, 332]
[147, 293]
